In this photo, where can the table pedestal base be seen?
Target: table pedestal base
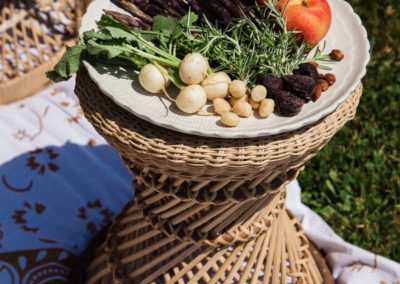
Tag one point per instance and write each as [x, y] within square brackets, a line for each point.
[136, 252]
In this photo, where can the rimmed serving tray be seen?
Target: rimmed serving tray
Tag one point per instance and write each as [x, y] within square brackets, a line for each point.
[347, 34]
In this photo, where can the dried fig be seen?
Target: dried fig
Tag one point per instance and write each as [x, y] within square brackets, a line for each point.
[300, 85]
[272, 83]
[287, 104]
[307, 69]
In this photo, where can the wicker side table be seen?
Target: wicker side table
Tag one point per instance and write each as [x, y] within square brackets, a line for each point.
[206, 210]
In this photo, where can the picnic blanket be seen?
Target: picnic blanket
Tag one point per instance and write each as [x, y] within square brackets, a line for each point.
[60, 184]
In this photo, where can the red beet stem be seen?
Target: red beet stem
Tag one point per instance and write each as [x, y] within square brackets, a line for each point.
[134, 10]
[127, 20]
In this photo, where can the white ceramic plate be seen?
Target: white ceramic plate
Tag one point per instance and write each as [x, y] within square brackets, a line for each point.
[346, 34]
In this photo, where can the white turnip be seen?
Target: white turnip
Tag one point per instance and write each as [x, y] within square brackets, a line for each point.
[193, 69]
[216, 85]
[191, 99]
[152, 79]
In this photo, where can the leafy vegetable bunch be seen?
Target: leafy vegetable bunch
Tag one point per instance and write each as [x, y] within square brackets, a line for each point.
[115, 43]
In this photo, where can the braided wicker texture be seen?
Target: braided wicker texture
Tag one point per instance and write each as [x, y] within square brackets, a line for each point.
[135, 252]
[214, 225]
[208, 170]
[33, 35]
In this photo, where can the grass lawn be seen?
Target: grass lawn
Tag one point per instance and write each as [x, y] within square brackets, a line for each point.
[354, 182]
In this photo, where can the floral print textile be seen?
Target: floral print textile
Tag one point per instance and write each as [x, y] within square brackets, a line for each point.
[60, 184]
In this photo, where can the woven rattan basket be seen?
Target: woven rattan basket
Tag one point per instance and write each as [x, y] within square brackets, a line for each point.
[33, 35]
[206, 210]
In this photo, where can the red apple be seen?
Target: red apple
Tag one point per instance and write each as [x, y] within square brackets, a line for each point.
[311, 17]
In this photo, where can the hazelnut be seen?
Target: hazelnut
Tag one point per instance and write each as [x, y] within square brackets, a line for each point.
[337, 55]
[330, 78]
[324, 84]
[317, 94]
[321, 76]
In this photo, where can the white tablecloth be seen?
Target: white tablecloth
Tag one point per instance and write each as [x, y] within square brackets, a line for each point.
[60, 184]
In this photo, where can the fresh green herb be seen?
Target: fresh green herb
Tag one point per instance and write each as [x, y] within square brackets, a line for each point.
[253, 45]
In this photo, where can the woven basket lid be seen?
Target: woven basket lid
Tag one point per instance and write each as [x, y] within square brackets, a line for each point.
[33, 35]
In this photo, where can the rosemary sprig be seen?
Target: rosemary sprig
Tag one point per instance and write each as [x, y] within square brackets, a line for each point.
[254, 45]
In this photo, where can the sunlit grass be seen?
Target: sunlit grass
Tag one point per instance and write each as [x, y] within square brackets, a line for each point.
[354, 182]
